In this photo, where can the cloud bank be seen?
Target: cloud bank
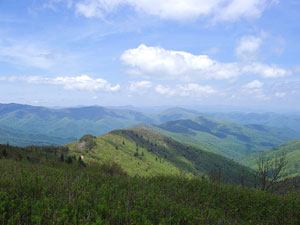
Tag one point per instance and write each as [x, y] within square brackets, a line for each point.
[159, 63]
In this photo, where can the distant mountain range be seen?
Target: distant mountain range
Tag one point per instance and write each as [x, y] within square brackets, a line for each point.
[25, 125]
[228, 139]
[69, 123]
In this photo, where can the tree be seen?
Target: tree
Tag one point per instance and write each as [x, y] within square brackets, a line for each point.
[62, 158]
[69, 160]
[268, 172]
[5, 154]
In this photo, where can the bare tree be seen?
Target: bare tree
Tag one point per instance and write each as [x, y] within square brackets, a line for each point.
[268, 172]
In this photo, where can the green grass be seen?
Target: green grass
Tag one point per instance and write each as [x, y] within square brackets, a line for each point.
[58, 193]
[142, 152]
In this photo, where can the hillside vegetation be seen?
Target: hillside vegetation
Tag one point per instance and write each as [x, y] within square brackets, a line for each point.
[228, 139]
[290, 149]
[53, 192]
[140, 151]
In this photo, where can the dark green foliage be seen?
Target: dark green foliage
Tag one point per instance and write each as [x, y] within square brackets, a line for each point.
[62, 158]
[89, 141]
[68, 194]
[69, 160]
[4, 152]
[112, 168]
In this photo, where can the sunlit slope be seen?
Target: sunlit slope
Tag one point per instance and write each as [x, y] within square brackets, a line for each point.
[228, 139]
[140, 151]
[290, 149]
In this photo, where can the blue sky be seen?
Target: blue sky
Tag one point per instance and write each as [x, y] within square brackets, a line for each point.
[150, 52]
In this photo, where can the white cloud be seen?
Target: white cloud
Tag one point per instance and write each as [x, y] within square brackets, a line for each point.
[236, 9]
[218, 10]
[255, 88]
[160, 63]
[139, 86]
[156, 62]
[266, 71]
[254, 85]
[248, 47]
[83, 82]
[164, 90]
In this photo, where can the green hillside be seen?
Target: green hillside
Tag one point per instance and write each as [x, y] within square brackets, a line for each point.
[290, 149]
[54, 192]
[140, 151]
[228, 139]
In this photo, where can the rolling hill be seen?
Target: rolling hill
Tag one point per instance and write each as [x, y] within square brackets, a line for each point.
[271, 119]
[140, 151]
[65, 124]
[228, 139]
[290, 149]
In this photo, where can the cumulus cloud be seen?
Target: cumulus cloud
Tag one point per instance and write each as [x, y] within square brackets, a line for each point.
[140, 86]
[83, 82]
[217, 10]
[164, 90]
[254, 85]
[255, 88]
[160, 63]
[156, 62]
[248, 47]
[266, 71]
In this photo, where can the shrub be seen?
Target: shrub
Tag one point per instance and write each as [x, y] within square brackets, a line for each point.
[112, 168]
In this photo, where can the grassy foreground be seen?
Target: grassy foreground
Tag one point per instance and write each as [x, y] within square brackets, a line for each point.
[60, 193]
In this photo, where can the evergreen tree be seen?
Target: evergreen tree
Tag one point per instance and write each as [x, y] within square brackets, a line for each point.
[69, 160]
[62, 158]
[5, 154]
